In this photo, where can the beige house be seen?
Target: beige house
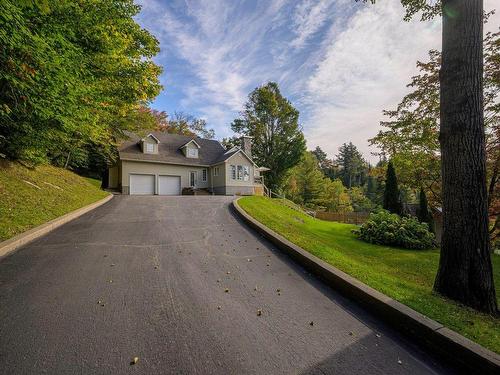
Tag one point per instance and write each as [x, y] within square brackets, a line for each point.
[170, 164]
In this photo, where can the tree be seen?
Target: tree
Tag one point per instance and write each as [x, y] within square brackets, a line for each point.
[352, 165]
[72, 76]
[272, 121]
[392, 200]
[326, 165]
[306, 184]
[231, 142]
[182, 123]
[423, 214]
[465, 270]
[410, 135]
[359, 201]
[336, 197]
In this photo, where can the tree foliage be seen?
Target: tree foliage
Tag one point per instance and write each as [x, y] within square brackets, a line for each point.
[182, 123]
[352, 165]
[411, 134]
[73, 76]
[392, 201]
[272, 121]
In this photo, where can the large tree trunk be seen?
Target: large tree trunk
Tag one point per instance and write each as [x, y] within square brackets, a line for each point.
[465, 271]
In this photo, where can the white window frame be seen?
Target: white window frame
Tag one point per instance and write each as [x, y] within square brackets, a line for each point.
[216, 171]
[192, 152]
[246, 173]
[233, 172]
[239, 172]
[204, 175]
[150, 148]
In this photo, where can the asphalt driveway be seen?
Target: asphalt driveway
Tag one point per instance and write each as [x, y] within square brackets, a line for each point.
[182, 284]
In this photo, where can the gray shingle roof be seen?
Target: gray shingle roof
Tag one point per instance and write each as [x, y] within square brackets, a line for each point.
[211, 152]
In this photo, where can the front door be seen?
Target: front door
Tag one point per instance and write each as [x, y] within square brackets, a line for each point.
[192, 178]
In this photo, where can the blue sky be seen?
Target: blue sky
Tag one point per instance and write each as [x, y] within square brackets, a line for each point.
[339, 62]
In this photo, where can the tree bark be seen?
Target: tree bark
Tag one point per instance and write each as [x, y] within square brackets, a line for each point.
[465, 270]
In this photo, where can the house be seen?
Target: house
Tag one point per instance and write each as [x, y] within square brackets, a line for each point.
[170, 164]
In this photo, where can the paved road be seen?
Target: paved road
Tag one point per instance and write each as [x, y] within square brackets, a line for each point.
[146, 277]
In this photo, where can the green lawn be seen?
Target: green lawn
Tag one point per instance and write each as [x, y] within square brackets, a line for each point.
[56, 192]
[405, 275]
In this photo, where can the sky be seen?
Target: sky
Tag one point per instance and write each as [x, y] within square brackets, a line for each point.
[339, 62]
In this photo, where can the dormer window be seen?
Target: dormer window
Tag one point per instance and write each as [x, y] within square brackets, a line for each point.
[190, 149]
[149, 144]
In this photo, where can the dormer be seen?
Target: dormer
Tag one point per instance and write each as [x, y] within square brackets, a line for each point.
[149, 144]
[190, 149]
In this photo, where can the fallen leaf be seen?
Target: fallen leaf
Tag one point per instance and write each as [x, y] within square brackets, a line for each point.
[134, 361]
[218, 307]
[112, 264]
[351, 333]
[378, 335]
[278, 290]
[312, 323]
[226, 290]
[259, 312]
[400, 362]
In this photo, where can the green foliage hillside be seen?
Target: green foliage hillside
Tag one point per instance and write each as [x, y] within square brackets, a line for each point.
[30, 197]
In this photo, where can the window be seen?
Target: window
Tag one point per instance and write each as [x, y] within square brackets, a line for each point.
[246, 173]
[233, 172]
[216, 171]
[240, 172]
[192, 178]
[192, 152]
[204, 175]
[150, 148]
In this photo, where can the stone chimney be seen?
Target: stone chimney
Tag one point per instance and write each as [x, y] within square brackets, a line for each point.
[246, 145]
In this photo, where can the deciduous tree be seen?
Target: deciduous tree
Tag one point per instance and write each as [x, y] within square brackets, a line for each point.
[272, 121]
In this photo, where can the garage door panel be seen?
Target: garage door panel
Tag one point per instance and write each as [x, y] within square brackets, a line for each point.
[142, 184]
[169, 185]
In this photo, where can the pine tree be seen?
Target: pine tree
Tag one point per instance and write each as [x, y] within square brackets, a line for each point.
[392, 202]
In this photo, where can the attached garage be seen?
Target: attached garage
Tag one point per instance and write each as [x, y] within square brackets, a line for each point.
[142, 184]
[169, 185]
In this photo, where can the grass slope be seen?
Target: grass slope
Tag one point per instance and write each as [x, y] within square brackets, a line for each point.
[56, 192]
[405, 275]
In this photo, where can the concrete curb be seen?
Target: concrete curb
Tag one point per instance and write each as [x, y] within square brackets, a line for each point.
[459, 351]
[14, 243]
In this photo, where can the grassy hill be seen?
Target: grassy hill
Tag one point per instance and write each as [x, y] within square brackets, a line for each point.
[405, 275]
[30, 197]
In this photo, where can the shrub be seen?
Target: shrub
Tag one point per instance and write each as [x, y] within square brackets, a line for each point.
[384, 228]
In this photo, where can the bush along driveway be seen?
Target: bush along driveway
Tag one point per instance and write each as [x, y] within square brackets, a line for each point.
[405, 275]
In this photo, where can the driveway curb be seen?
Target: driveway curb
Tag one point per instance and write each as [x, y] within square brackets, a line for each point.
[443, 342]
[14, 243]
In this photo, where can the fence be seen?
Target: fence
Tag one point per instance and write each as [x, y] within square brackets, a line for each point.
[348, 217]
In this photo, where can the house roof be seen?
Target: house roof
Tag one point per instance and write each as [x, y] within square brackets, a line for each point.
[169, 150]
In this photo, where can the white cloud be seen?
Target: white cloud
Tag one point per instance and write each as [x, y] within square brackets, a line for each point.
[340, 62]
[309, 17]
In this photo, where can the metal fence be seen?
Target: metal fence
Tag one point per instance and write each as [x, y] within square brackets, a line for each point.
[348, 217]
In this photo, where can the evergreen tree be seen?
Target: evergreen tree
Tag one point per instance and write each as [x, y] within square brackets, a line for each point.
[423, 213]
[392, 202]
[352, 164]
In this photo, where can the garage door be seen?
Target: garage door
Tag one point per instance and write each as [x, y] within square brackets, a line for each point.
[142, 184]
[169, 185]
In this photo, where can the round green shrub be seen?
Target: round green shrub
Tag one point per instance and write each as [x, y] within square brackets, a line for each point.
[384, 228]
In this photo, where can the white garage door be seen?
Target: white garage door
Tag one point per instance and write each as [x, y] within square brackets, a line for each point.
[142, 184]
[169, 185]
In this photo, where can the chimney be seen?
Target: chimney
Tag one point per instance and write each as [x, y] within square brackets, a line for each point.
[246, 145]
